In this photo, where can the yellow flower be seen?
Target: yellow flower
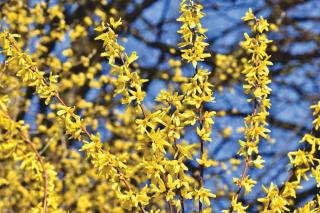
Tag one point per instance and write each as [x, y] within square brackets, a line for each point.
[273, 201]
[205, 162]
[204, 196]
[262, 25]
[246, 182]
[114, 24]
[290, 189]
[192, 33]
[258, 162]
[249, 16]
[237, 206]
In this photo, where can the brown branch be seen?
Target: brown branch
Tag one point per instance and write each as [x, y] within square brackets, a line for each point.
[45, 175]
[179, 190]
[169, 201]
[201, 167]
[131, 17]
[42, 164]
[248, 158]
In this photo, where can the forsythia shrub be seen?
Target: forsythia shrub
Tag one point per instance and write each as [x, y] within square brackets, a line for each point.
[149, 165]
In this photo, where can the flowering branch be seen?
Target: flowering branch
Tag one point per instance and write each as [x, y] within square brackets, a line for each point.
[256, 77]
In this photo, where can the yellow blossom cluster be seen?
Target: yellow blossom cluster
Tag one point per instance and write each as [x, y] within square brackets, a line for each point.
[303, 161]
[227, 70]
[128, 155]
[257, 80]
[192, 32]
[256, 73]
[16, 144]
[28, 70]
[167, 175]
[197, 90]
[128, 84]
[107, 164]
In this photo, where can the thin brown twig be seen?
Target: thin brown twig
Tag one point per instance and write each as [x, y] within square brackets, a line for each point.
[244, 174]
[179, 176]
[143, 110]
[169, 201]
[248, 158]
[201, 167]
[45, 175]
